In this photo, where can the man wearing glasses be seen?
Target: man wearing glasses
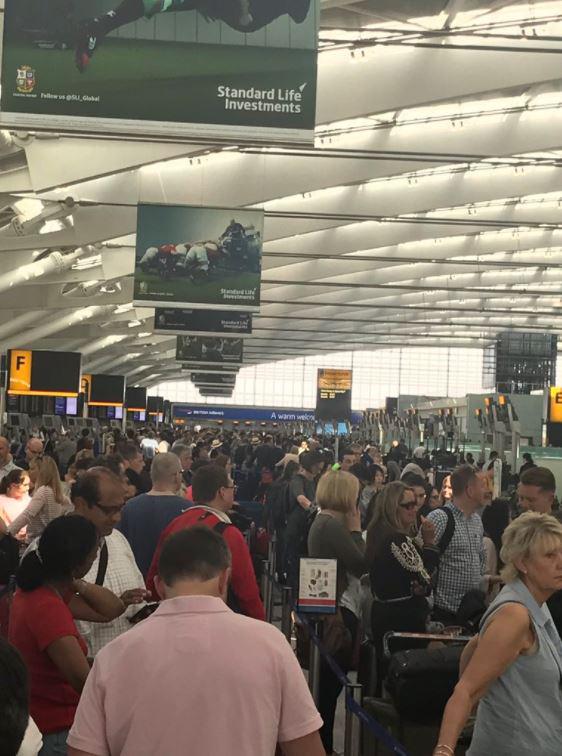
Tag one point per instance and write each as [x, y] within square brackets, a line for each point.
[213, 494]
[98, 496]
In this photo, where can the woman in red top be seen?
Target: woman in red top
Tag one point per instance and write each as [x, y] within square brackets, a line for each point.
[50, 595]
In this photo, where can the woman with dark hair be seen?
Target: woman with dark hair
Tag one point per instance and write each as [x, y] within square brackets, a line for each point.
[432, 501]
[400, 569]
[50, 596]
[47, 503]
[14, 495]
[14, 706]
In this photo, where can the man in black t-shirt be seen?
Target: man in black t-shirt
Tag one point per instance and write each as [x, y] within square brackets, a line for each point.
[302, 491]
[267, 454]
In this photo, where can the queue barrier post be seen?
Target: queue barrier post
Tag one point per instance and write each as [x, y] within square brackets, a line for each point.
[356, 716]
[286, 609]
[314, 663]
[265, 583]
[272, 553]
[269, 593]
[352, 738]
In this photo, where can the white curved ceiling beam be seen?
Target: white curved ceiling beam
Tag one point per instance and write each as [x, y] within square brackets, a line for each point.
[403, 77]
[220, 177]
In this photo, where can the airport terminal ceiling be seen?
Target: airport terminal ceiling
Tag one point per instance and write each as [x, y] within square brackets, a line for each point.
[426, 214]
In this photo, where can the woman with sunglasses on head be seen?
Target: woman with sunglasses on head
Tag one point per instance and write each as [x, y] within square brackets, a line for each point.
[14, 495]
[400, 569]
[47, 503]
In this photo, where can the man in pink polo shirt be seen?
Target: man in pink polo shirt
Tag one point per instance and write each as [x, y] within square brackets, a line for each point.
[196, 677]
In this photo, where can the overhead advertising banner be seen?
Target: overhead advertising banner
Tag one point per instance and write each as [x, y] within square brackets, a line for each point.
[333, 398]
[43, 373]
[214, 68]
[214, 369]
[225, 392]
[213, 379]
[211, 351]
[203, 322]
[198, 257]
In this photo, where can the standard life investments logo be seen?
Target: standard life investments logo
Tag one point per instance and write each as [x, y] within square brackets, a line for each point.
[274, 100]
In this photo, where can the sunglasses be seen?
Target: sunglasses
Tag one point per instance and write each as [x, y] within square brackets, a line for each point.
[409, 505]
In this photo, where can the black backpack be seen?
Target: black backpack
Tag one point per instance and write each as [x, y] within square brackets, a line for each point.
[449, 532]
[277, 505]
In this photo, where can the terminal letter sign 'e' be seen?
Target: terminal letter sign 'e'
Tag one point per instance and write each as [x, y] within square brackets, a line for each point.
[555, 408]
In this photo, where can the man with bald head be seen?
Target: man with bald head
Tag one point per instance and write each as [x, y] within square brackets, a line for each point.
[33, 450]
[146, 516]
[7, 463]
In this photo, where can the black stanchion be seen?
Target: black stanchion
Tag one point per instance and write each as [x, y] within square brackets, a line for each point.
[314, 661]
[286, 611]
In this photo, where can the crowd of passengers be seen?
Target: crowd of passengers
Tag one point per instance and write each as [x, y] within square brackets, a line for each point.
[135, 625]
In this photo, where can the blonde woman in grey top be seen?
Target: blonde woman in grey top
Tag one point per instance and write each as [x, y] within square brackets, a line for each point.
[513, 668]
[47, 503]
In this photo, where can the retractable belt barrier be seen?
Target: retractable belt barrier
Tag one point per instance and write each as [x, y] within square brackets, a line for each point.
[356, 716]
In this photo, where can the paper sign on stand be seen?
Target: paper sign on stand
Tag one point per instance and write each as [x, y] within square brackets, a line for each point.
[317, 585]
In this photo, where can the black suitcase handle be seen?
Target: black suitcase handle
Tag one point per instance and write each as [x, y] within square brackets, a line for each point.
[421, 636]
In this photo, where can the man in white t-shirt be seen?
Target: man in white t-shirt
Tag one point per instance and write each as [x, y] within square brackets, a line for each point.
[196, 677]
[149, 446]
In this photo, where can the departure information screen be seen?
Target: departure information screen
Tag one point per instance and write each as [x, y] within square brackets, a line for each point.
[333, 396]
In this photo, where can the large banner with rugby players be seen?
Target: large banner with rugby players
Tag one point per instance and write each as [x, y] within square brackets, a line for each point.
[198, 257]
[213, 68]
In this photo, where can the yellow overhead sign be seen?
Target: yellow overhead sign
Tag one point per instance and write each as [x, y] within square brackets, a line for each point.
[20, 371]
[555, 405]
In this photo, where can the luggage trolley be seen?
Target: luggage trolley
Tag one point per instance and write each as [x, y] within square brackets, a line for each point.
[418, 684]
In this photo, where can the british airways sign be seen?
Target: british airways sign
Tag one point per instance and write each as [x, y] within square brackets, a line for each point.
[263, 414]
[260, 414]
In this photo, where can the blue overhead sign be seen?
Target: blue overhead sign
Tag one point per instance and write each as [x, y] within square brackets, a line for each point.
[261, 414]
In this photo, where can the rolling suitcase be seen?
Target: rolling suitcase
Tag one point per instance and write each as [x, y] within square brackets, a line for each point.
[420, 681]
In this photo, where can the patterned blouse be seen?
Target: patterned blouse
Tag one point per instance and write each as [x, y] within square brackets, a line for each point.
[42, 508]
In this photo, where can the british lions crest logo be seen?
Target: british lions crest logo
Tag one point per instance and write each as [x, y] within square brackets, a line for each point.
[25, 79]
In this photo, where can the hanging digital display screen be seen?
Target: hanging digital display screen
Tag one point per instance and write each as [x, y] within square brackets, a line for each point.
[333, 395]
